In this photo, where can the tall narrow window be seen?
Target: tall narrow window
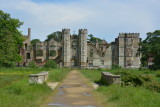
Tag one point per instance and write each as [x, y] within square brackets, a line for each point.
[26, 46]
[28, 55]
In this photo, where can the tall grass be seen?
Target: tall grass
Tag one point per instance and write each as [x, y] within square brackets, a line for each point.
[9, 79]
[117, 96]
[58, 74]
[21, 94]
[125, 96]
[15, 91]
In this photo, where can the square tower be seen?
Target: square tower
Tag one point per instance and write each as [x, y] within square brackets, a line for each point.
[83, 33]
[128, 48]
[66, 47]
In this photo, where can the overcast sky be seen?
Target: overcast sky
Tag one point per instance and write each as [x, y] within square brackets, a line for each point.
[103, 18]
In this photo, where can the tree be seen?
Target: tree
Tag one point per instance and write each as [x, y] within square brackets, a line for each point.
[57, 36]
[34, 41]
[10, 40]
[93, 39]
[151, 48]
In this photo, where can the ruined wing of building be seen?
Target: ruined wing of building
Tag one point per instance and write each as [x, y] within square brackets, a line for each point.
[76, 51]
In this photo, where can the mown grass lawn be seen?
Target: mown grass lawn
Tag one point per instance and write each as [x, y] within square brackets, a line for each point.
[15, 91]
[125, 96]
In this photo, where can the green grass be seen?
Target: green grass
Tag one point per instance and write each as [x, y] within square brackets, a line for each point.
[57, 74]
[8, 79]
[15, 91]
[117, 96]
[126, 96]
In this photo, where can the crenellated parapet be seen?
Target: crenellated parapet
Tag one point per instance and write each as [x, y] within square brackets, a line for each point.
[65, 31]
[83, 31]
[129, 35]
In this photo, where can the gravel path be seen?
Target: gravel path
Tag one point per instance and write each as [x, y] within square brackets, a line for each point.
[73, 92]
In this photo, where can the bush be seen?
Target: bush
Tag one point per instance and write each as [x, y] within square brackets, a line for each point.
[153, 86]
[32, 64]
[146, 78]
[158, 74]
[114, 66]
[50, 64]
[129, 78]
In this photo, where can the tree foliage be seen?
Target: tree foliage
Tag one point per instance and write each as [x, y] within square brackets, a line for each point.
[93, 39]
[10, 40]
[151, 48]
[57, 36]
[34, 41]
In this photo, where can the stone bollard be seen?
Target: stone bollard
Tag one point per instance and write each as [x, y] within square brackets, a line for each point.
[109, 78]
[39, 78]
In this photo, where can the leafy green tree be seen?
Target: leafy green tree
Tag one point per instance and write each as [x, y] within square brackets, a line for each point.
[93, 39]
[34, 41]
[57, 36]
[151, 48]
[10, 40]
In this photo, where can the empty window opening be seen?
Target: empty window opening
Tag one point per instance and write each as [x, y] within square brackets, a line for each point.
[52, 53]
[25, 45]
[39, 53]
[28, 56]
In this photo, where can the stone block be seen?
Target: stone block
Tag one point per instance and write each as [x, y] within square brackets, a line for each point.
[39, 78]
[109, 78]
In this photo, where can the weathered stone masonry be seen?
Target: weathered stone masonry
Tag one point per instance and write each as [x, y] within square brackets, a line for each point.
[76, 51]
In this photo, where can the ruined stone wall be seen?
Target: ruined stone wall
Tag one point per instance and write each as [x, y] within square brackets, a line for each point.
[99, 58]
[53, 49]
[74, 50]
[108, 57]
[26, 50]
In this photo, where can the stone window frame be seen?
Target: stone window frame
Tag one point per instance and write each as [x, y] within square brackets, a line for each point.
[39, 52]
[28, 55]
[52, 53]
[52, 46]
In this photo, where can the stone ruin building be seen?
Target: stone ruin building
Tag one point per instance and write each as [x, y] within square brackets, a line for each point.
[77, 51]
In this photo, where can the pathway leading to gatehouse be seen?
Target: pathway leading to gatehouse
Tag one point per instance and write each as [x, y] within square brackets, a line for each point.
[74, 91]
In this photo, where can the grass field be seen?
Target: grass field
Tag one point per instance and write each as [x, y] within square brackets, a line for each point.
[15, 91]
[125, 96]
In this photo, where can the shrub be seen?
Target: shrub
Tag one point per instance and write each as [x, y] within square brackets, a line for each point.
[32, 64]
[153, 86]
[50, 64]
[131, 79]
[158, 74]
[115, 66]
[146, 78]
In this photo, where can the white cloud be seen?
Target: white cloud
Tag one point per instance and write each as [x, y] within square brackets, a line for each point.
[105, 17]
